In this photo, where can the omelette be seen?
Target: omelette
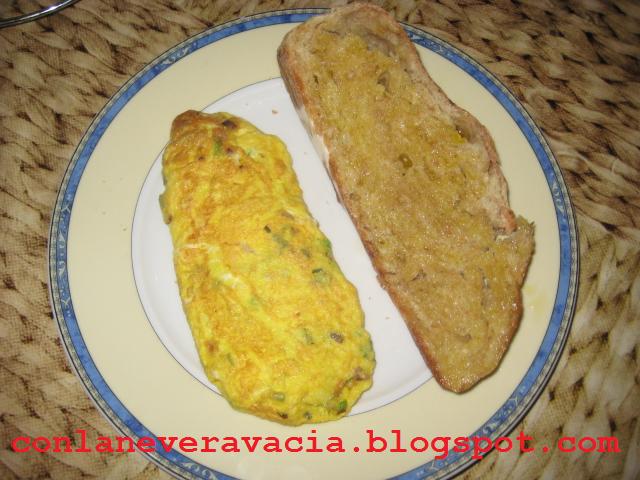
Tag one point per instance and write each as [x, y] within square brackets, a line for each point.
[278, 328]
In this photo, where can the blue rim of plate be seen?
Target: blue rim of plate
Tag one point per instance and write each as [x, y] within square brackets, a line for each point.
[501, 423]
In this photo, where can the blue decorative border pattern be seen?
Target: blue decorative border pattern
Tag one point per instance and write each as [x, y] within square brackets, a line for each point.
[179, 465]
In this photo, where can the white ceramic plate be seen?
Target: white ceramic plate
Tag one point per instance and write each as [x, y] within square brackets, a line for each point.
[399, 365]
[117, 306]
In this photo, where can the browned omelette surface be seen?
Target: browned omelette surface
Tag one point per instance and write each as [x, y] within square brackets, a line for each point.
[278, 328]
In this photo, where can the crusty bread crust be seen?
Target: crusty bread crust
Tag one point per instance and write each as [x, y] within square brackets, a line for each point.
[381, 32]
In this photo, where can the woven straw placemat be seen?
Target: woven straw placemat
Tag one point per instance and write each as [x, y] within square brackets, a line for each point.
[575, 66]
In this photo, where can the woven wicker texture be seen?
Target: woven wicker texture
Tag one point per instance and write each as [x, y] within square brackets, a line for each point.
[575, 66]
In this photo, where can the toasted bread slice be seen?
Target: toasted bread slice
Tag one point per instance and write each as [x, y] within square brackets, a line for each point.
[422, 182]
